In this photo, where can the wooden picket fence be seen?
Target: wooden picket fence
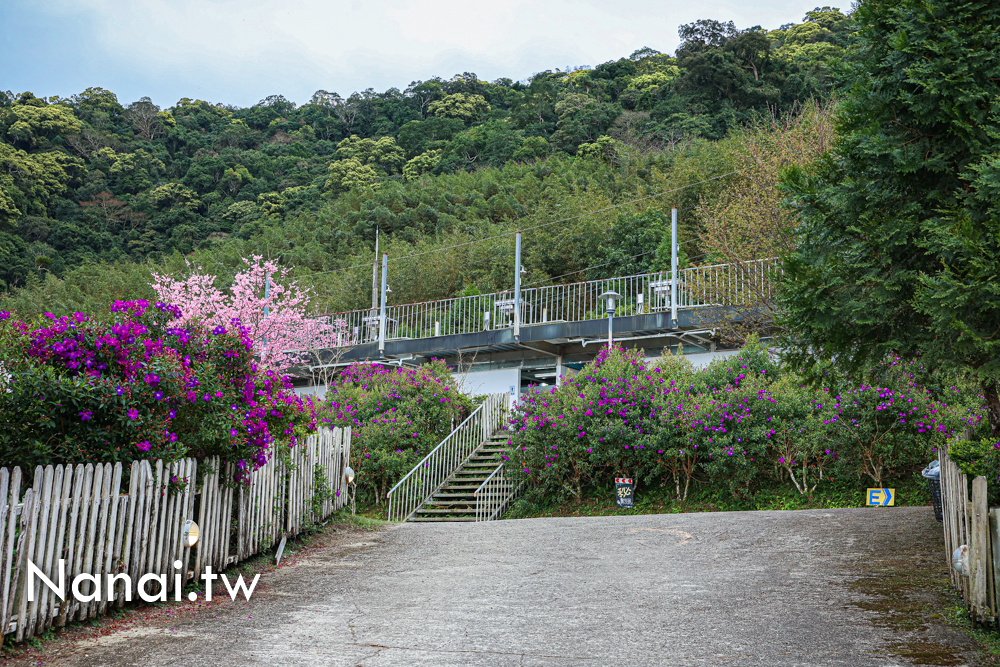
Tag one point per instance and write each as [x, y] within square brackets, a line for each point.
[969, 521]
[79, 514]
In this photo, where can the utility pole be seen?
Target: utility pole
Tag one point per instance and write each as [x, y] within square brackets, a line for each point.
[375, 274]
[517, 286]
[267, 294]
[381, 314]
[673, 265]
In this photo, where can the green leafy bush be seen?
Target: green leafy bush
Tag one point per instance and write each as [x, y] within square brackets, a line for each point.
[397, 416]
[741, 424]
[977, 457]
[78, 390]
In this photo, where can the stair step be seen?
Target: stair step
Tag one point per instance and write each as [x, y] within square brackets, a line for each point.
[455, 500]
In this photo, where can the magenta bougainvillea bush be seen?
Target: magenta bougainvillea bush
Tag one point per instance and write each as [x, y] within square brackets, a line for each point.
[397, 415]
[76, 389]
[738, 423]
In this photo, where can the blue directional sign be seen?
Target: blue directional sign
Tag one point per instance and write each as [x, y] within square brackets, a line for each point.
[882, 497]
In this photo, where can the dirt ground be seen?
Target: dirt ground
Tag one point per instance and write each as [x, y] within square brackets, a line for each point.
[815, 587]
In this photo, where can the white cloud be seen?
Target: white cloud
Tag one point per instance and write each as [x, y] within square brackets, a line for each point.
[250, 48]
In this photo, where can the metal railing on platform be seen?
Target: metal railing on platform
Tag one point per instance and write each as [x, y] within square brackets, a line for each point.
[419, 484]
[700, 286]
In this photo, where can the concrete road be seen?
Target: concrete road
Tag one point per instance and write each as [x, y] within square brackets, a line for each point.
[738, 588]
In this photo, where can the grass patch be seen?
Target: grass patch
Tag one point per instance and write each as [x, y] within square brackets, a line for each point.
[910, 491]
[361, 521]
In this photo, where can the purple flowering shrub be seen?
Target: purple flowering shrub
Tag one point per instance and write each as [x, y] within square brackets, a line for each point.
[727, 426]
[753, 361]
[397, 416]
[614, 417]
[892, 424]
[76, 389]
[793, 429]
[741, 423]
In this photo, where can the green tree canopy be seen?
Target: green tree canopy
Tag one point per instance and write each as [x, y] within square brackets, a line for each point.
[900, 223]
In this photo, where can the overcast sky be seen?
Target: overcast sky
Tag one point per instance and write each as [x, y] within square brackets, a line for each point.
[239, 51]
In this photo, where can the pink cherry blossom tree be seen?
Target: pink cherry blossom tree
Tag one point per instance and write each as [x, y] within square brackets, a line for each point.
[281, 331]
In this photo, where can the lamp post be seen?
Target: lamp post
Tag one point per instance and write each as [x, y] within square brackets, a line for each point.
[610, 298]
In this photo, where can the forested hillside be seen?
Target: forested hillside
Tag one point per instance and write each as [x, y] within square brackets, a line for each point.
[93, 191]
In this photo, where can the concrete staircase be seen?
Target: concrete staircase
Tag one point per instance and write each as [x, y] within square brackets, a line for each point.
[453, 500]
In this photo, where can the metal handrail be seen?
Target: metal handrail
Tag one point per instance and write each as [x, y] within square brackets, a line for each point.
[499, 491]
[434, 451]
[700, 286]
[426, 477]
[486, 481]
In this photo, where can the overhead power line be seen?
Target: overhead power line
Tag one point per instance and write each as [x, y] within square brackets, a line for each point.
[539, 226]
[597, 266]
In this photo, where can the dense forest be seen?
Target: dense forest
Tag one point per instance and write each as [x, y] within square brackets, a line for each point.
[95, 193]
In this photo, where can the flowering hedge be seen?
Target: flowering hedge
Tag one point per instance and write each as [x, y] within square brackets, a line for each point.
[74, 390]
[738, 424]
[397, 415]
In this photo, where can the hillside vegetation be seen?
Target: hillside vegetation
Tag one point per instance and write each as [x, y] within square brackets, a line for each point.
[93, 192]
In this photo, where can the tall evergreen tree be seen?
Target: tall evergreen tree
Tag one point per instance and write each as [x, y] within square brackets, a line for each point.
[900, 223]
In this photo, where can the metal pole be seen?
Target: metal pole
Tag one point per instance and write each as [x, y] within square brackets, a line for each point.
[610, 316]
[381, 313]
[267, 294]
[517, 285]
[673, 265]
[375, 274]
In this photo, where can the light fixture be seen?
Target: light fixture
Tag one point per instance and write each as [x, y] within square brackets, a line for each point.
[611, 298]
[189, 534]
[352, 488]
[611, 304]
[388, 290]
[524, 271]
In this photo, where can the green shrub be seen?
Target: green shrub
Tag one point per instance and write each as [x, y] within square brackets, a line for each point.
[977, 457]
[742, 424]
[397, 416]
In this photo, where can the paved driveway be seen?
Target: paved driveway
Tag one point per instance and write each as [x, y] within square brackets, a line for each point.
[738, 588]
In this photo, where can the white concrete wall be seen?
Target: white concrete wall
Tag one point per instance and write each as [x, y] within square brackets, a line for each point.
[318, 392]
[489, 382]
[703, 359]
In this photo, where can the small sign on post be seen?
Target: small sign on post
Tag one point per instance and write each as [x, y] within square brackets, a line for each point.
[881, 497]
[623, 491]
